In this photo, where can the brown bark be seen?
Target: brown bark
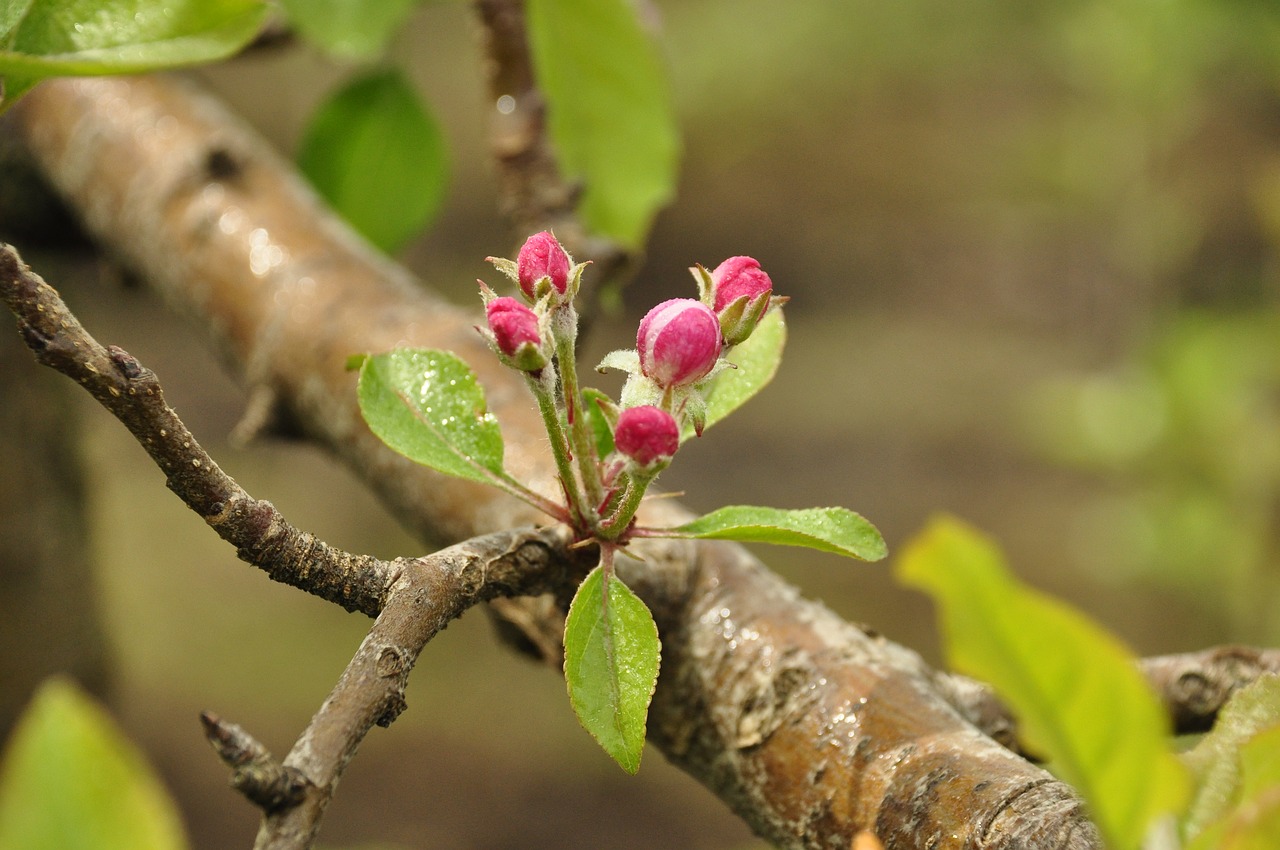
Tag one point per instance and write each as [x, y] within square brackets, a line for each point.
[809, 727]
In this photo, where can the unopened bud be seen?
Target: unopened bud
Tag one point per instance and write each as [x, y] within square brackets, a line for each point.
[647, 435]
[678, 342]
[516, 333]
[741, 291]
[542, 259]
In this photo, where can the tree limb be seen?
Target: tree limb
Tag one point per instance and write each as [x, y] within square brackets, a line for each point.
[808, 727]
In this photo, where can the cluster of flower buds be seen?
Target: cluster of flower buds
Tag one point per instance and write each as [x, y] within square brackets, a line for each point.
[680, 346]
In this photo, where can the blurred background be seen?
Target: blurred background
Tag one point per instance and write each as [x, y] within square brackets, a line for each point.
[1032, 254]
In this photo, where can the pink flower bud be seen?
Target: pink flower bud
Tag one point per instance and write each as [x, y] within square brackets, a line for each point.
[542, 257]
[646, 434]
[741, 292]
[679, 342]
[515, 332]
[736, 277]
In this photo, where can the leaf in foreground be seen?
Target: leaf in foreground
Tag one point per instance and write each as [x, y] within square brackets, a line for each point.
[375, 153]
[90, 37]
[71, 781]
[611, 656]
[836, 530]
[427, 405]
[1076, 691]
[1215, 760]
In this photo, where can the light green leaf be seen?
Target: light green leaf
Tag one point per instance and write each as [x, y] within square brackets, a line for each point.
[375, 153]
[835, 530]
[609, 110]
[349, 29]
[71, 781]
[11, 14]
[757, 360]
[1079, 698]
[1254, 824]
[611, 656]
[87, 37]
[1215, 761]
[427, 406]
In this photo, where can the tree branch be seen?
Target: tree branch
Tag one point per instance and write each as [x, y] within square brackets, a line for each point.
[809, 727]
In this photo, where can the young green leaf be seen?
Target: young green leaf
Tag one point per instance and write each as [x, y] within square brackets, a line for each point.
[835, 530]
[426, 405]
[592, 58]
[611, 655]
[1254, 824]
[71, 781]
[376, 154]
[349, 29]
[1215, 761]
[1075, 689]
[757, 360]
[89, 37]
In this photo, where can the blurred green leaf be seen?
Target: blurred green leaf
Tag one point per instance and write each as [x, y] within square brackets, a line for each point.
[1255, 822]
[375, 153]
[71, 781]
[1079, 698]
[1215, 761]
[836, 530]
[609, 110]
[56, 38]
[427, 406]
[757, 360]
[611, 658]
[349, 29]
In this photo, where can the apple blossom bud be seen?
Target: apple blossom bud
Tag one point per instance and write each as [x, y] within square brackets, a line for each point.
[741, 291]
[516, 333]
[648, 435]
[678, 342]
[541, 258]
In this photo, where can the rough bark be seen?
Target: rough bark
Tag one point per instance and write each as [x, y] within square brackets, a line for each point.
[809, 727]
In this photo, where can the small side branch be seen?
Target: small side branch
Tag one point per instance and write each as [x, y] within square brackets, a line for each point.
[256, 773]
[132, 393]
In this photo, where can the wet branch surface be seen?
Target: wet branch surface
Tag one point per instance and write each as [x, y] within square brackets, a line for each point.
[811, 728]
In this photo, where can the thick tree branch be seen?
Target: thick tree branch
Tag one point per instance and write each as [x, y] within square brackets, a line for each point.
[808, 727]
[811, 728]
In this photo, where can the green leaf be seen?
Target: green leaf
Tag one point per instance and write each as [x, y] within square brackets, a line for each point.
[1077, 692]
[87, 37]
[349, 29]
[11, 14]
[835, 530]
[1215, 761]
[1254, 824]
[611, 656]
[609, 110]
[757, 360]
[375, 153]
[427, 406]
[71, 781]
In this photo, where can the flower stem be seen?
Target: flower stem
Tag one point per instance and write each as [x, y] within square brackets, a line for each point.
[543, 388]
[615, 525]
[565, 329]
